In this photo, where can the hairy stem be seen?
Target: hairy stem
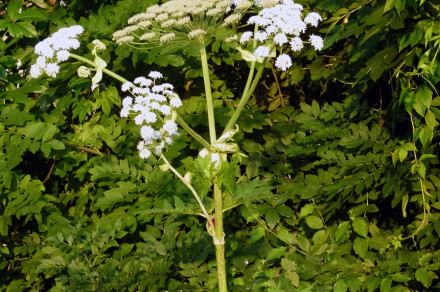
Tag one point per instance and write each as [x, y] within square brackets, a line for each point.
[219, 239]
[208, 92]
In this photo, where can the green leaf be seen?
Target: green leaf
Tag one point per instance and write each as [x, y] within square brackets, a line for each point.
[306, 210]
[21, 28]
[389, 5]
[314, 222]
[385, 285]
[378, 242]
[14, 9]
[157, 245]
[360, 246]
[35, 130]
[49, 133]
[272, 218]
[423, 277]
[342, 233]
[340, 286]
[431, 120]
[424, 95]
[56, 144]
[257, 234]
[276, 253]
[360, 226]
[288, 265]
[398, 277]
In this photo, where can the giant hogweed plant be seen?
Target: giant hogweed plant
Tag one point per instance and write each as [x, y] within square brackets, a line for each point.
[264, 32]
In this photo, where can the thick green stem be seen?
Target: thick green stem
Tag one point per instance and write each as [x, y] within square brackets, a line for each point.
[219, 239]
[193, 133]
[244, 99]
[208, 92]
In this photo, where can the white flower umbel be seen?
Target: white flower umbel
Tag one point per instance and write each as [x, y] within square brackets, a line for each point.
[280, 23]
[55, 49]
[153, 108]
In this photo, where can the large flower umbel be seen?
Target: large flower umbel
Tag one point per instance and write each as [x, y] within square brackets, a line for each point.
[153, 108]
[280, 23]
[54, 50]
[180, 21]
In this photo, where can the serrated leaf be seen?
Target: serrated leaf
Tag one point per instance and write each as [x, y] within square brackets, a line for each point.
[288, 265]
[276, 253]
[423, 277]
[306, 210]
[342, 233]
[257, 234]
[385, 285]
[360, 246]
[56, 144]
[340, 286]
[314, 222]
[272, 218]
[360, 226]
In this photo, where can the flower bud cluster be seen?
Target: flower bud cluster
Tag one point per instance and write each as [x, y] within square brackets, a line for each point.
[180, 20]
[55, 49]
[280, 23]
[153, 107]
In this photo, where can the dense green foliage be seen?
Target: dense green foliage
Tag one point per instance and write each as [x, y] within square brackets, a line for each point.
[335, 187]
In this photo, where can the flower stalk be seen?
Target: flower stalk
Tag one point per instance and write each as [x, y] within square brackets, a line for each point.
[208, 92]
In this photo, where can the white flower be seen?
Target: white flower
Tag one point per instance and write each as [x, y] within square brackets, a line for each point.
[144, 153]
[316, 42]
[283, 62]
[44, 49]
[52, 69]
[246, 36]
[150, 117]
[169, 141]
[155, 105]
[280, 39]
[124, 112]
[165, 110]
[158, 149]
[147, 132]
[63, 55]
[142, 81]
[155, 75]
[35, 71]
[127, 101]
[170, 127]
[262, 52]
[296, 44]
[313, 18]
[261, 36]
[175, 102]
[126, 86]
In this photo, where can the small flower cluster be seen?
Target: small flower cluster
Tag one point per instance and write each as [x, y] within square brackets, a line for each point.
[180, 20]
[153, 106]
[281, 23]
[55, 49]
